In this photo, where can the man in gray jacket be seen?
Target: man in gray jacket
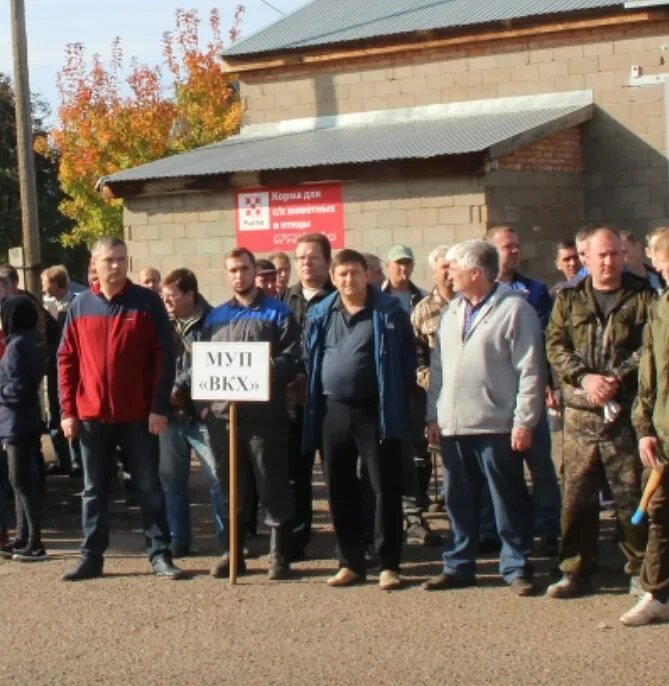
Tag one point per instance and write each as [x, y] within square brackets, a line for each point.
[486, 395]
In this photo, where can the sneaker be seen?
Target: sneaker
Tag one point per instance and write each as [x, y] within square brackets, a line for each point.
[389, 580]
[570, 586]
[419, 533]
[647, 610]
[10, 547]
[635, 587]
[522, 586]
[163, 566]
[29, 554]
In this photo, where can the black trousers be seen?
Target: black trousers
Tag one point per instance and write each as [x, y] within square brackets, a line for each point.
[301, 466]
[21, 454]
[349, 431]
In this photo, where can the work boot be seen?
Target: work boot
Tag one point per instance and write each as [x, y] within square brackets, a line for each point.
[280, 546]
[221, 569]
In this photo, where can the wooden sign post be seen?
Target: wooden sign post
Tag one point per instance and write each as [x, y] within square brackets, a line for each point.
[235, 372]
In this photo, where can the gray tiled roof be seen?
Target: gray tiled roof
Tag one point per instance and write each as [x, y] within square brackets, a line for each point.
[495, 125]
[324, 22]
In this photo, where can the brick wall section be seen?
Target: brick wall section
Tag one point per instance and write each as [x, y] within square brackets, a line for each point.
[624, 146]
[558, 153]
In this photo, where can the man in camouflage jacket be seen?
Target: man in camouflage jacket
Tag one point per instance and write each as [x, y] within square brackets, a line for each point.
[593, 342]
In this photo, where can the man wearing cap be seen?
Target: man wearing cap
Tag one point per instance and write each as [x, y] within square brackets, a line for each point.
[417, 465]
[266, 278]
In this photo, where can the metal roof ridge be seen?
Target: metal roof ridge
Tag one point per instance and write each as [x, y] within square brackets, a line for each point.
[402, 115]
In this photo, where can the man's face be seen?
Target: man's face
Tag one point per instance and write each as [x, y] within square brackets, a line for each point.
[350, 280]
[267, 283]
[605, 260]
[508, 247]
[462, 278]
[441, 274]
[400, 272]
[49, 287]
[311, 264]
[633, 254]
[111, 265]
[241, 274]
[177, 303]
[282, 273]
[150, 278]
[567, 262]
[582, 250]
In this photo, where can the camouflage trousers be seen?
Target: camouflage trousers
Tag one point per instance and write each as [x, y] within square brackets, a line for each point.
[594, 450]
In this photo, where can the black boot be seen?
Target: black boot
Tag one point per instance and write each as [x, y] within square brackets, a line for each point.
[86, 568]
[280, 548]
[221, 569]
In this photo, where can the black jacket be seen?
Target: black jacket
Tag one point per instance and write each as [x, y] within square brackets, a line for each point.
[21, 370]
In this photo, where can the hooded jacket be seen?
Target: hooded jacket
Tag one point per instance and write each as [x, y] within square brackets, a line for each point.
[493, 379]
[21, 370]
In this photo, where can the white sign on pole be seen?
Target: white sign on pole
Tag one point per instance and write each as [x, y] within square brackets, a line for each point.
[231, 371]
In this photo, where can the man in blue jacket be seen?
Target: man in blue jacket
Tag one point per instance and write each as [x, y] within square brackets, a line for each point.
[361, 365]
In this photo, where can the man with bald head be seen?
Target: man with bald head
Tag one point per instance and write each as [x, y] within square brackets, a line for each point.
[593, 342]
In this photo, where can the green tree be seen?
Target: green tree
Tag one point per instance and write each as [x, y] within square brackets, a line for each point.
[108, 123]
[49, 196]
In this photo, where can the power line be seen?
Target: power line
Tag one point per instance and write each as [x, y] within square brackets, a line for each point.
[276, 9]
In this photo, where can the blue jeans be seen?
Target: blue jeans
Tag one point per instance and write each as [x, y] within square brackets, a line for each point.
[176, 442]
[546, 499]
[98, 456]
[469, 463]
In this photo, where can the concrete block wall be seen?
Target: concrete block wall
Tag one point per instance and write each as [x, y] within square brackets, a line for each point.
[544, 207]
[624, 147]
[195, 230]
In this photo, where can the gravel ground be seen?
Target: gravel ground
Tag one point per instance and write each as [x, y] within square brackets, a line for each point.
[130, 627]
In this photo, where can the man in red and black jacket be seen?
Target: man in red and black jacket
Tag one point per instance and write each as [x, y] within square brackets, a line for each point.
[115, 374]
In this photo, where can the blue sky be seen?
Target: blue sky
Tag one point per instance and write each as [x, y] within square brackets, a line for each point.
[140, 24]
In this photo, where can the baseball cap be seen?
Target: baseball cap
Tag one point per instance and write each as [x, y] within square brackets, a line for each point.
[400, 252]
[265, 267]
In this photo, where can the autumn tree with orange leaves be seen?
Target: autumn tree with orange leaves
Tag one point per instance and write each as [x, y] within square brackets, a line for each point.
[108, 123]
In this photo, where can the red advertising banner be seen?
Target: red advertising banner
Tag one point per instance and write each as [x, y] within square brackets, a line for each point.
[269, 219]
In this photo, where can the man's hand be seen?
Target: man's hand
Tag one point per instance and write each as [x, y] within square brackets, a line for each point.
[599, 389]
[551, 400]
[433, 434]
[521, 439]
[157, 422]
[70, 427]
[649, 451]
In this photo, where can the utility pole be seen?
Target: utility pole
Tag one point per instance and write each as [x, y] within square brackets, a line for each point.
[24, 147]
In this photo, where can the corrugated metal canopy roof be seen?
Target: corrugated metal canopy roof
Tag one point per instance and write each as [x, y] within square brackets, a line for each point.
[496, 125]
[324, 22]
